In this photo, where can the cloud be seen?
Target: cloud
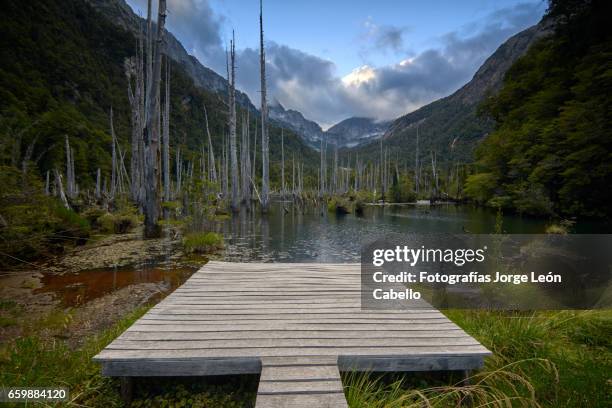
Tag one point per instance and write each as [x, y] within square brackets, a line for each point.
[382, 37]
[310, 84]
[196, 26]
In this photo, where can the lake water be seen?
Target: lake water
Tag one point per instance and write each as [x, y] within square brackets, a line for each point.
[289, 235]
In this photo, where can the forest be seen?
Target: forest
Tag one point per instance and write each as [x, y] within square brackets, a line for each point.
[550, 153]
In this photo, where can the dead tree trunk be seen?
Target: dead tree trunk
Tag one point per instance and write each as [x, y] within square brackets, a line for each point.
[114, 156]
[212, 172]
[282, 163]
[59, 188]
[265, 176]
[321, 171]
[179, 171]
[254, 162]
[98, 176]
[416, 163]
[235, 198]
[151, 132]
[166, 136]
[47, 183]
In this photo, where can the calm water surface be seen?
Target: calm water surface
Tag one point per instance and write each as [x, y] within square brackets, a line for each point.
[289, 235]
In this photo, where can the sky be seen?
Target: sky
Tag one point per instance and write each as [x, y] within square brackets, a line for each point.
[335, 59]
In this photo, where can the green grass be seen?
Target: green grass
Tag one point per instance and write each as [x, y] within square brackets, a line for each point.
[547, 359]
[202, 242]
[8, 321]
[36, 361]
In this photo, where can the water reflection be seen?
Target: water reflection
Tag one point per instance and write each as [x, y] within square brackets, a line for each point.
[77, 288]
[288, 234]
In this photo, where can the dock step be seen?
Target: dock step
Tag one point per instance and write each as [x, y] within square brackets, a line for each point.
[300, 383]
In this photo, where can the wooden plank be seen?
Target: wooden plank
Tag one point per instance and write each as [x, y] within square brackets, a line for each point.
[296, 384]
[268, 325]
[326, 400]
[289, 334]
[296, 317]
[127, 344]
[108, 353]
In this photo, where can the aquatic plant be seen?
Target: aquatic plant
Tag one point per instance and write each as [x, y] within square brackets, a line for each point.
[202, 242]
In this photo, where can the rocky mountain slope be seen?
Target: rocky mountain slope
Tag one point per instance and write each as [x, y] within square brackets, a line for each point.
[451, 126]
[308, 130]
[355, 131]
[348, 133]
[119, 12]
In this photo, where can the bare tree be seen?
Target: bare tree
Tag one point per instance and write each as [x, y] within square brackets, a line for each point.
[235, 197]
[212, 172]
[282, 163]
[59, 188]
[47, 182]
[265, 159]
[151, 132]
[166, 136]
[98, 176]
[416, 162]
[114, 158]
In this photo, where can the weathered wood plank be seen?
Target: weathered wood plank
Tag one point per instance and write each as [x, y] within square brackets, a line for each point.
[268, 325]
[322, 400]
[127, 344]
[290, 334]
[296, 383]
[399, 351]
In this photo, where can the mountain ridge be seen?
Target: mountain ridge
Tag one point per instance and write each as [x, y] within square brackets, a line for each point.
[119, 12]
[452, 126]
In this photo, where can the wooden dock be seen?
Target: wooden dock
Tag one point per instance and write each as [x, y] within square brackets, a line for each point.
[297, 325]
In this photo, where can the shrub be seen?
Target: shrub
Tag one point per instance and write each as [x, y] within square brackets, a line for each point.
[556, 229]
[117, 223]
[70, 224]
[202, 242]
[339, 205]
[480, 187]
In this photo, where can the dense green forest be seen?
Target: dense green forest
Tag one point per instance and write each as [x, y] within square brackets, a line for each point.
[62, 69]
[551, 151]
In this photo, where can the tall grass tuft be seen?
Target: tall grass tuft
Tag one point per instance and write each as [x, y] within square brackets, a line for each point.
[503, 387]
[33, 361]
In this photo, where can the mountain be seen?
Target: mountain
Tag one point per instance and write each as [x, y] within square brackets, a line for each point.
[348, 133]
[355, 131]
[120, 13]
[451, 126]
[308, 130]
